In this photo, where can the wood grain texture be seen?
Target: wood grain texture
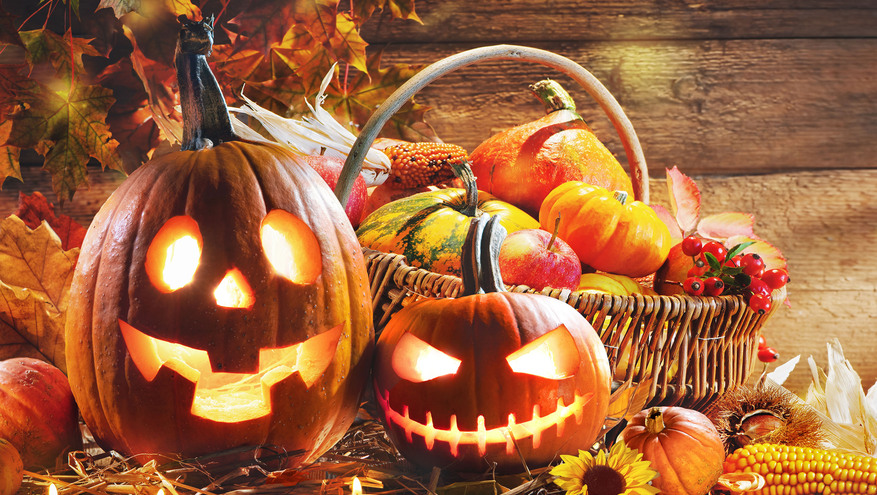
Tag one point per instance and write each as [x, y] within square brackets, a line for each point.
[710, 106]
[511, 21]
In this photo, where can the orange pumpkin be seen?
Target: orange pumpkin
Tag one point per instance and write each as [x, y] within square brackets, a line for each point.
[221, 297]
[496, 377]
[37, 412]
[523, 164]
[608, 232]
[682, 445]
[11, 467]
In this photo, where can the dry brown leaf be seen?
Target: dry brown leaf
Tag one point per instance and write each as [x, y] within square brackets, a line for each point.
[34, 291]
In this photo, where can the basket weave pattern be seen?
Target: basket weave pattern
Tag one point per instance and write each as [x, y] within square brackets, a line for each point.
[687, 350]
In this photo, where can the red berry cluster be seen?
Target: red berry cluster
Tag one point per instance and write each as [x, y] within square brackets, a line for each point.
[766, 354]
[718, 270]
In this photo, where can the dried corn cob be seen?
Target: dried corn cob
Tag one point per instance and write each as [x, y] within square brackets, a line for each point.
[422, 164]
[804, 471]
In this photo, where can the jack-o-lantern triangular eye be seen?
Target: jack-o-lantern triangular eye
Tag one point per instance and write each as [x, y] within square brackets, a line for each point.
[174, 254]
[291, 247]
[416, 361]
[553, 355]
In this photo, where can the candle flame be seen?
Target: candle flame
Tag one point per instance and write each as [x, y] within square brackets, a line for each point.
[356, 486]
[53, 490]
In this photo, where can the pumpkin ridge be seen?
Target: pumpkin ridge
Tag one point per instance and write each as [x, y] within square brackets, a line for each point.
[91, 310]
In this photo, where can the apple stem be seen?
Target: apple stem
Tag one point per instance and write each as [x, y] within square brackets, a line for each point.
[554, 234]
[322, 150]
[463, 171]
[621, 196]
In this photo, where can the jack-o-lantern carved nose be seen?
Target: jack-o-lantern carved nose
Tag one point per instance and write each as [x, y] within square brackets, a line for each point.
[234, 291]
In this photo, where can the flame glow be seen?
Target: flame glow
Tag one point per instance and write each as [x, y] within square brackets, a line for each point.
[174, 254]
[481, 437]
[181, 262]
[234, 291]
[416, 361]
[53, 490]
[291, 247]
[231, 397]
[356, 486]
[553, 355]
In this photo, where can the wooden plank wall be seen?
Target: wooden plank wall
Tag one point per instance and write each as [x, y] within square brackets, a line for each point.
[771, 105]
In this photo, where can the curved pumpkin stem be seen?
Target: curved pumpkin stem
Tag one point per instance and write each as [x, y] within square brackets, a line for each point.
[464, 172]
[206, 122]
[655, 421]
[480, 257]
[553, 96]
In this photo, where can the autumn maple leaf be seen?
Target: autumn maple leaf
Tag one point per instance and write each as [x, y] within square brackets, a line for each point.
[36, 208]
[730, 228]
[402, 9]
[34, 291]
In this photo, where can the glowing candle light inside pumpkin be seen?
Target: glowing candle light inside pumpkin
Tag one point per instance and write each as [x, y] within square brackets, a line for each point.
[417, 361]
[278, 251]
[356, 486]
[53, 490]
[234, 291]
[539, 361]
[553, 355]
[181, 262]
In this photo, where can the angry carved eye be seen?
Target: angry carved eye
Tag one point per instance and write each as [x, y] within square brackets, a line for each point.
[174, 254]
[553, 355]
[416, 361]
[291, 247]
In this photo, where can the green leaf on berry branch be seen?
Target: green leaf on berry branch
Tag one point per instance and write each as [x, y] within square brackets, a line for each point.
[771, 255]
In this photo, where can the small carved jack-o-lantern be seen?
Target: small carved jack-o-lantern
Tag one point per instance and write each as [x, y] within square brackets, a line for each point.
[220, 299]
[492, 377]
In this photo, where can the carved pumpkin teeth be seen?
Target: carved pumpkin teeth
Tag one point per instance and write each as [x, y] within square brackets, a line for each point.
[231, 397]
[481, 436]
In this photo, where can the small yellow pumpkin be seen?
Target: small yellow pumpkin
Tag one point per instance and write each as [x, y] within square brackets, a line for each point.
[608, 232]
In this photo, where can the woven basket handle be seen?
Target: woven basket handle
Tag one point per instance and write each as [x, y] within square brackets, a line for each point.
[638, 171]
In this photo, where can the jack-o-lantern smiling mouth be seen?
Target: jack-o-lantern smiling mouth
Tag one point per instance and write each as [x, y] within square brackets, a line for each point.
[507, 434]
[232, 397]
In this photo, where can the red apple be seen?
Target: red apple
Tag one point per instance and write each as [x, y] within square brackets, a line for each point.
[329, 169]
[528, 257]
[674, 271]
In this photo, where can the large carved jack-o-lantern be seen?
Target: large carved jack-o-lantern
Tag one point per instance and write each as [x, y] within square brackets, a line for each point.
[221, 298]
[492, 377]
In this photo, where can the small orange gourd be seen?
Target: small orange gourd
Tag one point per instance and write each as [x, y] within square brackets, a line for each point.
[608, 232]
[682, 445]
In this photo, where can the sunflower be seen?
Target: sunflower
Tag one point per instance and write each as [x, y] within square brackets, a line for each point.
[622, 472]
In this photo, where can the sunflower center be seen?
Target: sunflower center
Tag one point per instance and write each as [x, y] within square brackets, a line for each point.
[603, 480]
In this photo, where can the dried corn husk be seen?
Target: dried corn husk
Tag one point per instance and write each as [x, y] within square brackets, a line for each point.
[313, 134]
[849, 414]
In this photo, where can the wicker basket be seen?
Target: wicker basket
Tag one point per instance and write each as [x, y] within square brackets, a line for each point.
[683, 350]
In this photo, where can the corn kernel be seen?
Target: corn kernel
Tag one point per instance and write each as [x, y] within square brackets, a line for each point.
[422, 164]
[805, 471]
